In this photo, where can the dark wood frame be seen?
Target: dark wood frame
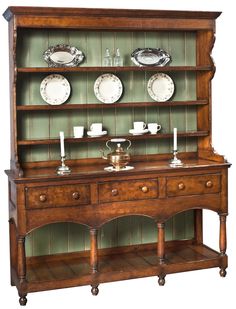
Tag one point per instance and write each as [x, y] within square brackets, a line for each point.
[200, 184]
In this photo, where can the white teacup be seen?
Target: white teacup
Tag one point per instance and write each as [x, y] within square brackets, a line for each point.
[139, 126]
[78, 131]
[153, 128]
[96, 127]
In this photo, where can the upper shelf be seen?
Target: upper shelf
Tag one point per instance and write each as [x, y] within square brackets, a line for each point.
[114, 69]
[113, 105]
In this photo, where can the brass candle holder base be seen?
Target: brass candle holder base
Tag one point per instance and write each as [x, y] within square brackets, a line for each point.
[63, 169]
[175, 162]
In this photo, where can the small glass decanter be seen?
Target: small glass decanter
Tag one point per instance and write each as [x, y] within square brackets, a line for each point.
[118, 60]
[107, 60]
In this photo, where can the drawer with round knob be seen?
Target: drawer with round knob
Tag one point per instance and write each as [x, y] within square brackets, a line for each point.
[127, 190]
[57, 196]
[191, 185]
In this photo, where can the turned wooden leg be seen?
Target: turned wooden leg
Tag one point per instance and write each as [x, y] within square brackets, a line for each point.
[161, 242]
[161, 280]
[94, 290]
[94, 258]
[21, 269]
[223, 241]
[93, 251]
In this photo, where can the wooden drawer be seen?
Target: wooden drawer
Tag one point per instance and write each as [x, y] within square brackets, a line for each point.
[57, 196]
[127, 190]
[191, 185]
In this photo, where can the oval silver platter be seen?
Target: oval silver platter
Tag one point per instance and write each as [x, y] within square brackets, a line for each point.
[63, 55]
[150, 57]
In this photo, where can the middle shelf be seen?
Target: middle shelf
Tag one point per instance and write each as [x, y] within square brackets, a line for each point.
[50, 141]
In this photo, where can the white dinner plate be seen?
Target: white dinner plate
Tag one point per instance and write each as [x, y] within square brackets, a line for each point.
[160, 87]
[108, 88]
[55, 89]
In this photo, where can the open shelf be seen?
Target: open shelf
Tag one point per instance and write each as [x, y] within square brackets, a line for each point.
[51, 141]
[114, 69]
[73, 269]
[116, 105]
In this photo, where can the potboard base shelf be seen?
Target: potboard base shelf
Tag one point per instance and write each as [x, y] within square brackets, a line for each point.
[45, 272]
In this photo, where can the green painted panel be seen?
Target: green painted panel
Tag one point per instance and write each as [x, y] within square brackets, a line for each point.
[177, 47]
[59, 238]
[94, 53]
[76, 237]
[189, 224]
[69, 237]
[179, 226]
[169, 229]
[41, 241]
[123, 231]
[149, 230]
[123, 41]
[29, 244]
[135, 229]
[190, 48]
[107, 236]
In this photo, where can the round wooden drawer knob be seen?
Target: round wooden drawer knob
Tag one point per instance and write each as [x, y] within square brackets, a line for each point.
[181, 186]
[114, 192]
[75, 195]
[145, 189]
[209, 184]
[43, 198]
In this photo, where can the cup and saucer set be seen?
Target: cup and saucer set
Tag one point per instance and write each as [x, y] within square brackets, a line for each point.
[141, 127]
[96, 130]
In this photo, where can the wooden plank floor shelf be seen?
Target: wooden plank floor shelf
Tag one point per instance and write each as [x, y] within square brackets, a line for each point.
[74, 223]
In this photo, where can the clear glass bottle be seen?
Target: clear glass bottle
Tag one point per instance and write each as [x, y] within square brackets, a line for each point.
[107, 60]
[118, 60]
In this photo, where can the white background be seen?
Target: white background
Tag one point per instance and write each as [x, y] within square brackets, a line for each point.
[198, 289]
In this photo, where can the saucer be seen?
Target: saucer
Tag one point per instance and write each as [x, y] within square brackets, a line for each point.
[96, 134]
[132, 131]
[112, 169]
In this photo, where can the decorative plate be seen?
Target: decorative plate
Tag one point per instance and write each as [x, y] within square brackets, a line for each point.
[160, 87]
[150, 57]
[108, 88]
[55, 89]
[63, 55]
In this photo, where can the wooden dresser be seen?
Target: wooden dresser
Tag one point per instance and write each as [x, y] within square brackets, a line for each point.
[153, 200]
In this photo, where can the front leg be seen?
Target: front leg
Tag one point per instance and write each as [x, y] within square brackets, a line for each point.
[223, 242]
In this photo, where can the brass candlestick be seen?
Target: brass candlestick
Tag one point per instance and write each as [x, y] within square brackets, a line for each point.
[63, 169]
[175, 162]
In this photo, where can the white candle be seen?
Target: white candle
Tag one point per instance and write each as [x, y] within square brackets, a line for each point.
[62, 144]
[175, 139]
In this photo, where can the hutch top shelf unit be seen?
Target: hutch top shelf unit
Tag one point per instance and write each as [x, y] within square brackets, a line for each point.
[160, 206]
[187, 36]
